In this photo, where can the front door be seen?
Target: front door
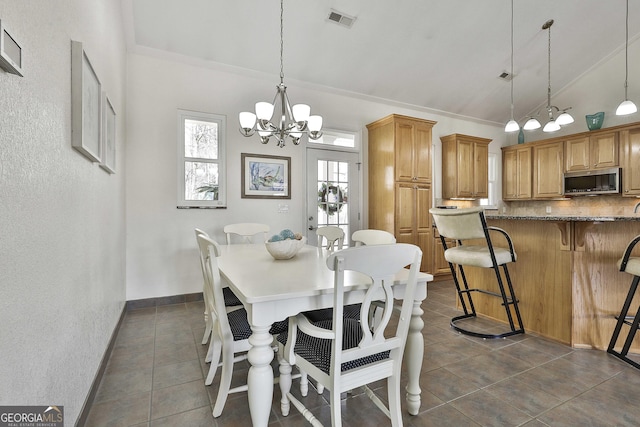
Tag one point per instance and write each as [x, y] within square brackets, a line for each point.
[333, 192]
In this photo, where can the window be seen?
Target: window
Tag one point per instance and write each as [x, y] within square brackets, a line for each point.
[335, 139]
[492, 201]
[201, 143]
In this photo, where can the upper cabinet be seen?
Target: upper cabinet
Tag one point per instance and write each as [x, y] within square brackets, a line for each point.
[630, 153]
[465, 167]
[548, 170]
[589, 152]
[412, 148]
[516, 172]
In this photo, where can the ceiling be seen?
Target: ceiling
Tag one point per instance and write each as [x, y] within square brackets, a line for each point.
[443, 55]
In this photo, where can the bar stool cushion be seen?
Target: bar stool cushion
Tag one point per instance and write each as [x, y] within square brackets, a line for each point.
[477, 256]
[633, 266]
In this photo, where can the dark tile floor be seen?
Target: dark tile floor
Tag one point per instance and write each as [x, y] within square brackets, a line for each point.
[155, 377]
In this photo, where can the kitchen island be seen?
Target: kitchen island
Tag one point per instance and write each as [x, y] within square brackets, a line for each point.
[566, 276]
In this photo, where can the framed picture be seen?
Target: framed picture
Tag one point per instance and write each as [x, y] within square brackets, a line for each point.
[108, 135]
[10, 52]
[266, 177]
[86, 105]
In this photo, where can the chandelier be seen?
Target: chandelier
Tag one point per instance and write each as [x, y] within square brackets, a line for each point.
[291, 122]
[626, 106]
[564, 118]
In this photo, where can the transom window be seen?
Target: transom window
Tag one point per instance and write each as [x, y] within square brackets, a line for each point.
[201, 144]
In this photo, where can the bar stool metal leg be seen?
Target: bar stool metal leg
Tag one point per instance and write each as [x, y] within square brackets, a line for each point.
[622, 319]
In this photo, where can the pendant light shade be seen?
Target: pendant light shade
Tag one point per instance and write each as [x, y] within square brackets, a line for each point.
[626, 107]
[532, 124]
[512, 126]
[564, 119]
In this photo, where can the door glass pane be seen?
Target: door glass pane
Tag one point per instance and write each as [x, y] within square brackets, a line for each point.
[333, 195]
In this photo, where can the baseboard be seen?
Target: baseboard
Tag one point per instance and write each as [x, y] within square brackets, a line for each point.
[84, 413]
[155, 302]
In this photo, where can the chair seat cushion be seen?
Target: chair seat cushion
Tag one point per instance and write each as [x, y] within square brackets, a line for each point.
[241, 330]
[351, 311]
[633, 266]
[477, 256]
[230, 299]
[318, 351]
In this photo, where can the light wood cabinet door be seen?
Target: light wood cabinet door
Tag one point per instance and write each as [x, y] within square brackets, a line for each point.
[591, 152]
[547, 170]
[413, 221]
[630, 141]
[604, 150]
[465, 167]
[413, 151]
[516, 173]
[576, 154]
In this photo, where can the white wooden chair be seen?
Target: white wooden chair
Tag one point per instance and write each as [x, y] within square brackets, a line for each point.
[342, 353]
[474, 248]
[230, 329]
[333, 235]
[246, 230]
[230, 301]
[373, 237]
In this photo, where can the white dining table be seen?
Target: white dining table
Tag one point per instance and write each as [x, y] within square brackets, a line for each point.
[272, 290]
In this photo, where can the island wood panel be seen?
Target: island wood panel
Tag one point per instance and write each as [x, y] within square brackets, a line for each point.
[599, 288]
[541, 279]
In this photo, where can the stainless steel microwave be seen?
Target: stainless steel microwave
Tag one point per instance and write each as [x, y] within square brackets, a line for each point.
[588, 183]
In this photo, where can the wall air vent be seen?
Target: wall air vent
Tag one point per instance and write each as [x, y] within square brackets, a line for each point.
[341, 19]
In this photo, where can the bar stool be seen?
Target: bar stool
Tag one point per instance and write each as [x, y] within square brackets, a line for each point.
[467, 224]
[629, 265]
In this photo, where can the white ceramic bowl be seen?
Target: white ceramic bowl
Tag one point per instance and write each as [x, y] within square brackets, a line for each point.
[285, 249]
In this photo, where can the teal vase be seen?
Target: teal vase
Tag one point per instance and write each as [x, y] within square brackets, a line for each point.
[521, 136]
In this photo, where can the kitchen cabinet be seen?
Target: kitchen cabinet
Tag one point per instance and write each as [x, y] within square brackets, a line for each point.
[399, 178]
[440, 265]
[630, 153]
[590, 152]
[516, 172]
[413, 220]
[548, 170]
[465, 167]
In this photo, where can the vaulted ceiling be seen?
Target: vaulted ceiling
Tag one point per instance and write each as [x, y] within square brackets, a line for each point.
[441, 54]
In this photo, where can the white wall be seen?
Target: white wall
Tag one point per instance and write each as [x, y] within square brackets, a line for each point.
[161, 249]
[62, 262]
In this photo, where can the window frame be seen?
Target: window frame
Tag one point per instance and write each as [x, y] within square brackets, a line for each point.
[221, 121]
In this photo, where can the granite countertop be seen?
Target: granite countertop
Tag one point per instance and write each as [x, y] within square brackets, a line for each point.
[551, 217]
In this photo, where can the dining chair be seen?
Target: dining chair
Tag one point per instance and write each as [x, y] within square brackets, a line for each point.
[230, 329]
[333, 235]
[230, 300]
[342, 354]
[631, 265]
[246, 230]
[372, 237]
[475, 248]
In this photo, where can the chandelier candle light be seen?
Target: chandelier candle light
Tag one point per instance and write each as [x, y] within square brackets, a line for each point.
[292, 121]
[564, 118]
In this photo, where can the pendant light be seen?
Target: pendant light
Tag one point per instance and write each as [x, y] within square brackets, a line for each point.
[553, 124]
[626, 107]
[512, 125]
[291, 122]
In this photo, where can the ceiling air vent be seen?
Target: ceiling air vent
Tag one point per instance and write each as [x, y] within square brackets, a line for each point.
[341, 19]
[507, 77]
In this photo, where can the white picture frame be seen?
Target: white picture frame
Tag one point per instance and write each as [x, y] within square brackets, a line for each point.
[10, 52]
[86, 105]
[108, 150]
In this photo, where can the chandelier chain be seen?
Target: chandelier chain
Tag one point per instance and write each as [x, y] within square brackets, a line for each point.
[549, 68]
[281, 41]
